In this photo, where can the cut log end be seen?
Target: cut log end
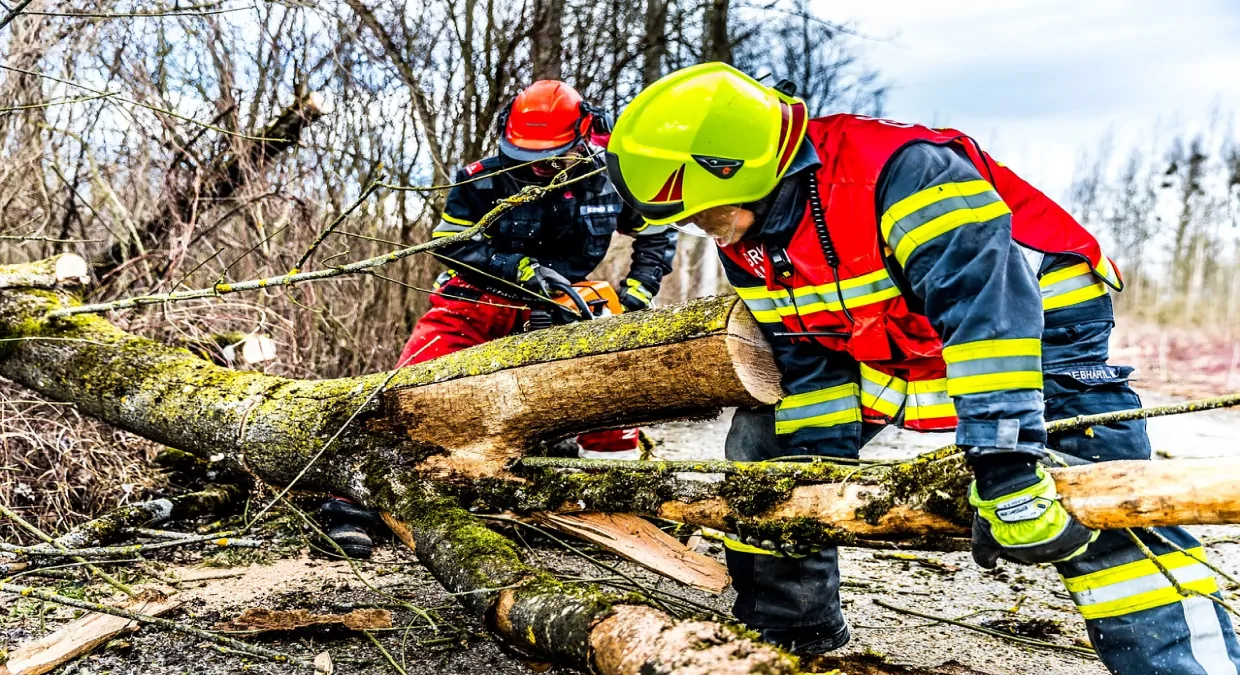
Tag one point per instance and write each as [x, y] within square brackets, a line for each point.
[751, 356]
[633, 637]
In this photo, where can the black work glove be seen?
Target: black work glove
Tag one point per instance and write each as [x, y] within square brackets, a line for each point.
[634, 296]
[539, 278]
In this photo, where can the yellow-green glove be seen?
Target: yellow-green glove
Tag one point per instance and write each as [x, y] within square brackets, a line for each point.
[1028, 526]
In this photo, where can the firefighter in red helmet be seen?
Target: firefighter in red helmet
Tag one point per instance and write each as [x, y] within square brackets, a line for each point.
[555, 241]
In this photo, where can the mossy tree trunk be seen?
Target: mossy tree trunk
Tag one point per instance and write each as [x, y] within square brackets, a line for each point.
[405, 444]
[424, 441]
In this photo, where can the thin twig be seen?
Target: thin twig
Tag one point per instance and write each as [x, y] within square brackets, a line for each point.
[1199, 405]
[391, 661]
[331, 227]
[589, 558]
[14, 12]
[222, 540]
[114, 583]
[115, 96]
[1204, 560]
[796, 469]
[331, 441]
[529, 193]
[45, 240]
[1175, 583]
[1029, 642]
[48, 104]
[196, 10]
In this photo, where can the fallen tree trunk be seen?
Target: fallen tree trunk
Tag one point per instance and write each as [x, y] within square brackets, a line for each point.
[454, 427]
[275, 427]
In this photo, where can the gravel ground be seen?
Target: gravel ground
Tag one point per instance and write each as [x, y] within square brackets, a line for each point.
[944, 585]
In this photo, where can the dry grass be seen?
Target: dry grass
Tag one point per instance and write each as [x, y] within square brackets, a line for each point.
[59, 467]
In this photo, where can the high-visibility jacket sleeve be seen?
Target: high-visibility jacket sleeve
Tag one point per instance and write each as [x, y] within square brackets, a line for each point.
[951, 234]
[465, 206]
[820, 413]
[654, 248]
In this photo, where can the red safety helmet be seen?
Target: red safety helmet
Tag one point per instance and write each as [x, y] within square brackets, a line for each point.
[546, 119]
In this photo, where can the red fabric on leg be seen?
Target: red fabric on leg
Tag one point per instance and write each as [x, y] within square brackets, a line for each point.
[453, 323]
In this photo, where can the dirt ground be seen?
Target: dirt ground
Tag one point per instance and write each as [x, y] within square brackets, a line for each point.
[942, 585]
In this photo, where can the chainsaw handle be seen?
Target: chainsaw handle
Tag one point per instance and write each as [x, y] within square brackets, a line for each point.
[583, 308]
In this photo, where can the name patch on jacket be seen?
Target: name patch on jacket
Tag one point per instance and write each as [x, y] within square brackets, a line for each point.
[598, 209]
[1095, 374]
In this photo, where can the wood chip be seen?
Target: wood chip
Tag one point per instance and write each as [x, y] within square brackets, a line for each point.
[82, 636]
[263, 620]
[638, 540]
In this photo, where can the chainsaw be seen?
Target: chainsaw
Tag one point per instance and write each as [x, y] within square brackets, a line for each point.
[582, 301]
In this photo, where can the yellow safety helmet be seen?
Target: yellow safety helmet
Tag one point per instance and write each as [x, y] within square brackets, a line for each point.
[703, 136]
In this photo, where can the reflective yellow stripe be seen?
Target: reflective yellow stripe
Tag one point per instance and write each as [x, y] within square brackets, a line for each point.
[980, 384]
[760, 303]
[822, 408]
[437, 234]
[1108, 272]
[882, 392]
[928, 400]
[1052, 278]
[1076, 297]
[1070, 286]
[1140, 585]
[769, 305]
[456, 221]
[918, 201]
[993, 365]
[946, 207]
[989, 349]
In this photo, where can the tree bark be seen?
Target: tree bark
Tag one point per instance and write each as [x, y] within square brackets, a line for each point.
[654, 46]
[718, 45]
[547, 40]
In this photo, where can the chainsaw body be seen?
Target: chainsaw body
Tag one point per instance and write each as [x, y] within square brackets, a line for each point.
[583, 301]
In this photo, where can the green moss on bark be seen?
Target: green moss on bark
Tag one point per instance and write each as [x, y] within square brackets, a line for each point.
[936, 482]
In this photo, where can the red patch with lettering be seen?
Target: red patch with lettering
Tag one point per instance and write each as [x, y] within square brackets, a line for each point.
[473, 168]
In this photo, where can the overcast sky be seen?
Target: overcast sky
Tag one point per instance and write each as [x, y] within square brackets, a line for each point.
[1037, 80]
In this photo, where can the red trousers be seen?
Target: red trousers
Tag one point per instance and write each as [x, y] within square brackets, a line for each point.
[454, 323]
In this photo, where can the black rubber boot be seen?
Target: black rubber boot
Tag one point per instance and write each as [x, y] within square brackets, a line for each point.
[808, 640]
[347, 524]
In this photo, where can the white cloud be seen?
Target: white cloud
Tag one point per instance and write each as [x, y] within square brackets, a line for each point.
[1039, 80]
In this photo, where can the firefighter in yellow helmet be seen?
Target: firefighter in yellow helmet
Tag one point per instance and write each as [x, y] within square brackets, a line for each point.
[904, 277]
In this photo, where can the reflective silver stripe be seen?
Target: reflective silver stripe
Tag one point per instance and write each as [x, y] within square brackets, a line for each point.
[807, 296]
[923, 399]
[445, 226]
[1068, 285]
[759, 304]
[935, 209]
[994, 366]
[842, 404]
[1205, 636]
[1145, 584]
[894, 397]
